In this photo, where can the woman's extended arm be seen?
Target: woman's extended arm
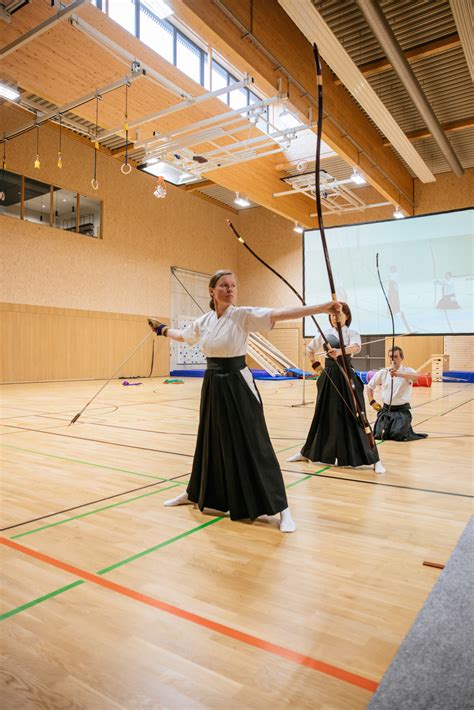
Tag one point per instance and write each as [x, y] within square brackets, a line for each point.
[303, 311]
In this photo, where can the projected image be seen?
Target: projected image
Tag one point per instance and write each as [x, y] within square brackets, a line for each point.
[426, 266]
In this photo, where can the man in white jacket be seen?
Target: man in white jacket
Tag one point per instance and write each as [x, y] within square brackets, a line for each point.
[394, 417]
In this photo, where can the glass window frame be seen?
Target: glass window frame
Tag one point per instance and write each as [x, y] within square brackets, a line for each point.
[50, 222]
[202, 54]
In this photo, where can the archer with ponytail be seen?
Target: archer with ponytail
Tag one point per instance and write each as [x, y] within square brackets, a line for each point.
[235, 468]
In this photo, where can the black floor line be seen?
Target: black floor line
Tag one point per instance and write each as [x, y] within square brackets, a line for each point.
[423, 404]
[377, 483]
[441, 414]
[128, 428]
[459, 405]
[155, 431]
[98, 500]
[100, 441]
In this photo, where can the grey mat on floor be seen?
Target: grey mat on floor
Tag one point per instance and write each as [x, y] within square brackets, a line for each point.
[433, 669]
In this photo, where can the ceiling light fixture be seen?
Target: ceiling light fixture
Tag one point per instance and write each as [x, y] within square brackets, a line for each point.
[241, 201]
[298, 228]
[398, 214]
[357, 177]
[9, 92]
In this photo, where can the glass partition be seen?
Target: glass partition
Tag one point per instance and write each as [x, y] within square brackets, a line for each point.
[11, 188]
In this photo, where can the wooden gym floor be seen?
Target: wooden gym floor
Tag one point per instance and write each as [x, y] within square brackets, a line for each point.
[113, 601]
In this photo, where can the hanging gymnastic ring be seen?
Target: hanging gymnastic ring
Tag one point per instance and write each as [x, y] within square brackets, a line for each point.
[125, 168]
[95, 184]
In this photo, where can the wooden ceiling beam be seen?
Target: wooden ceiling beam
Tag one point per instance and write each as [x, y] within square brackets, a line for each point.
[215, 202]
[452, 127]
[197, 185]
[276, 49]
[414, 54]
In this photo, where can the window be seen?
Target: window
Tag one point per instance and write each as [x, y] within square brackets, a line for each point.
[219, 80]
[64, 205]
[143, 19]
[89, 216]
[123, 12]
[189, 58]
[35, 201]
[11, 187]
[156, 34]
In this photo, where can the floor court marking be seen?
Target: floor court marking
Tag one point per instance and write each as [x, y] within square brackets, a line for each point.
[317, 474]
[85, 463]
[138, 555]
[95, 510]
[155, 431]
[254, 641]
[99, 441]
[92, 502]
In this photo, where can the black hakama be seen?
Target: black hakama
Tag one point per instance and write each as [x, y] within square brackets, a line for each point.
[235, 468]
[395, 423]
[335, 434]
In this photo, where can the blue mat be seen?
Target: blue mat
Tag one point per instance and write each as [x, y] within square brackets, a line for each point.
[258, 374]
[458, 376]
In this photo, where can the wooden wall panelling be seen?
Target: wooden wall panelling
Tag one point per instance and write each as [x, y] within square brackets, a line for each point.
[416, 349]
[44, 344]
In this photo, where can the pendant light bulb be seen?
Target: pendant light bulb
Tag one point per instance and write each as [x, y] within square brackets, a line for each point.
[60, 160]
[37, 162]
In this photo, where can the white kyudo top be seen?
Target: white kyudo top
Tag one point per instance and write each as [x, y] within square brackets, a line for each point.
[351, 337]
[402, 389]
[228, 335]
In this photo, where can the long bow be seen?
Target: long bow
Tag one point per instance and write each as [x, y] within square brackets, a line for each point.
[349, 377]
[301, 299]
[393, 337]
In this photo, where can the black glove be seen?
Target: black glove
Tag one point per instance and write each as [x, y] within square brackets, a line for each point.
[317, 367]
[157, 327]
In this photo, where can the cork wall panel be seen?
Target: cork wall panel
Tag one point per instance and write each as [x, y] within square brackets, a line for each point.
[460, 349]
[128, 270]
[417, 349]
[44, 343]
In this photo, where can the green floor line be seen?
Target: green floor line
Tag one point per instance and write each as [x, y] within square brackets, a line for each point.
[160, 545]
[90, 512]
[165, 543]
[56, 592]
[44, 598]
[287, 448]
[88, 463]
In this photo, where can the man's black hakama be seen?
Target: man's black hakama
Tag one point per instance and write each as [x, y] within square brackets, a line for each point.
[395, 423]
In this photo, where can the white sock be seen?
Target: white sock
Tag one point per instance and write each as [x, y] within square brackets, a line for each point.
[182, 499]
[378, 467]
[297, 457]
[287, 524]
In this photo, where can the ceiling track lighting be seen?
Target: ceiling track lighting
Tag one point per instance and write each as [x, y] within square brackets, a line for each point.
[357, 178]
[241, 201]
[9, 92]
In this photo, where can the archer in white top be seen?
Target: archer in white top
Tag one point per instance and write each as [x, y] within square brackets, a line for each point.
[351, 338]
[394, 418]
[402, 378]
[227, 335]
[234, 466]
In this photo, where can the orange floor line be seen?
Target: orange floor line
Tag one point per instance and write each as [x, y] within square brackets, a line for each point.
[250, 640]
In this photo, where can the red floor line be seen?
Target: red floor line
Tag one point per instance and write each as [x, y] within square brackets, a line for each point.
[288, 654]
